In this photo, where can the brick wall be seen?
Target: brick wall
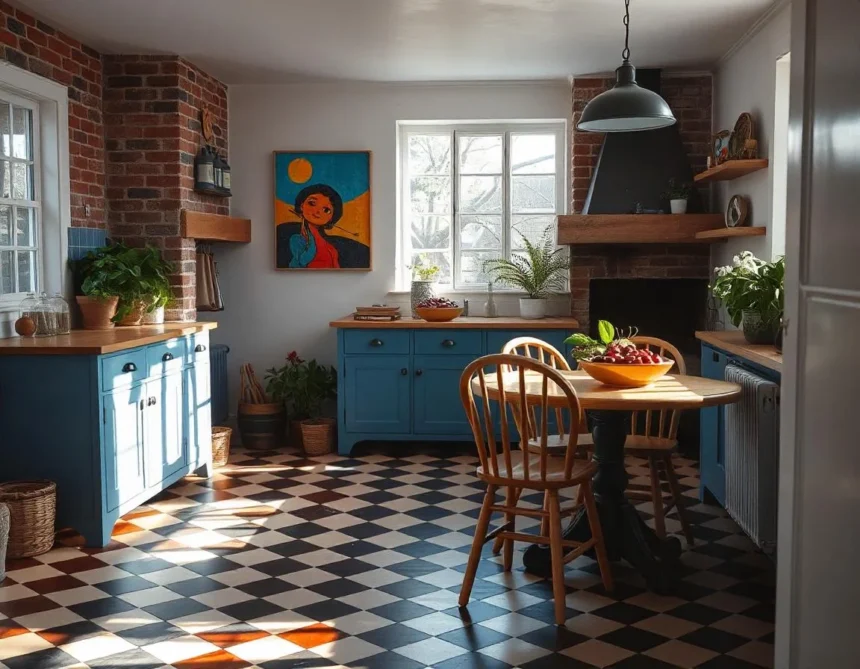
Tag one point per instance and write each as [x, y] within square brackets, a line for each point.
[690, 100]
[38, 48]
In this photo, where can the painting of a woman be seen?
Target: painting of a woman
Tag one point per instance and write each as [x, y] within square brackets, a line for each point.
[315, 228]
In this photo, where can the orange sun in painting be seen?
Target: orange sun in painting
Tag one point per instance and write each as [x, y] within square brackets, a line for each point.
[300, 170]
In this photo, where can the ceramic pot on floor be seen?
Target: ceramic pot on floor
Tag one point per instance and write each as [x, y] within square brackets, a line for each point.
[262, 426]
[532, 308]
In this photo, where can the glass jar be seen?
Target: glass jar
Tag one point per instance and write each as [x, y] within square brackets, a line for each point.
[44, 316]
[62, 317]
[28, 307]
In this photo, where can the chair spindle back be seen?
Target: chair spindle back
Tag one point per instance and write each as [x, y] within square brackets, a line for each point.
[662, 424]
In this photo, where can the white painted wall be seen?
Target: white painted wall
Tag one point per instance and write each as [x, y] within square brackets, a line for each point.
[746, 81]
[270, 313]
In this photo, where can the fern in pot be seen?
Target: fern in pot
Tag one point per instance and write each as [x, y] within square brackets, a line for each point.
[540, 272]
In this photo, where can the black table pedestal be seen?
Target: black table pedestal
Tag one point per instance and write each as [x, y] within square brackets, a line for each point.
[625, 533]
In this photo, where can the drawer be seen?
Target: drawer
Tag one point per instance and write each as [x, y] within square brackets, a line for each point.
[166, 357]
[448, 342]
[123, 369]
[198, 347]
[378, 342]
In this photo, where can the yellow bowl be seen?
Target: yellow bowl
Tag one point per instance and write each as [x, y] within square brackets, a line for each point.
[625, 376]
[438, 314]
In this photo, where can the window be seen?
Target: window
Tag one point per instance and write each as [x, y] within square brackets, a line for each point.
[473, 192]
[20, 256]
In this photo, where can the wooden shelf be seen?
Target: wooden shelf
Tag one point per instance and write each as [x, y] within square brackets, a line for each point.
[727, 233]
[213, 193]
[215, 228]
[635, 228]
[731, 169]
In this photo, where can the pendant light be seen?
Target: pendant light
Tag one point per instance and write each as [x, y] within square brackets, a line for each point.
[626, 107]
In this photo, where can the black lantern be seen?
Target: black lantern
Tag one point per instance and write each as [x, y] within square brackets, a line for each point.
[204, 170]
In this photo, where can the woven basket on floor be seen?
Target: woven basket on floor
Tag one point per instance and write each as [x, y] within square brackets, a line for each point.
[318, 435]
[221, 445]
[32, 509]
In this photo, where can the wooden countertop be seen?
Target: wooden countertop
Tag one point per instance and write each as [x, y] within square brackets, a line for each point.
[99, 342]
[462, 323]
[733, 341]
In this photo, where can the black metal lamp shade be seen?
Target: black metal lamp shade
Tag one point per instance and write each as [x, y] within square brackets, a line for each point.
[626, 107]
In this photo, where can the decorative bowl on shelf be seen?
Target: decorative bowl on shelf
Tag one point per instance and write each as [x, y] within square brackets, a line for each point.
[438, 314]
[625, 376]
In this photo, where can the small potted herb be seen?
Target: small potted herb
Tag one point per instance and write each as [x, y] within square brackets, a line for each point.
[678, 194]
[752, 291]
[540, 272]
[424, 275]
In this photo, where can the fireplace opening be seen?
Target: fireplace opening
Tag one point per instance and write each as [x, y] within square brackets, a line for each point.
[670, 309]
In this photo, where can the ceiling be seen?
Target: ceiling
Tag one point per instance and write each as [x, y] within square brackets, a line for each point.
[261, 41]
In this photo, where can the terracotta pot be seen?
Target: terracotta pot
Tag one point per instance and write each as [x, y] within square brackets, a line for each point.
[135, 316]
[97, 312]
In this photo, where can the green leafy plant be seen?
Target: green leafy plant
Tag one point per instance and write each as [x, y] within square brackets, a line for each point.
[540, 272]
[751, 284]
[155, 274]
[424, 270]
[584, 347]
[302, 385]
[678, 191]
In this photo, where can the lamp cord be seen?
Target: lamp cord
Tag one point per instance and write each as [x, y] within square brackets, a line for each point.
[626, 53]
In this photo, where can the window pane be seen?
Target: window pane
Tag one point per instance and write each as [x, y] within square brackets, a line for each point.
[5, 135]
[26, 271]
[431, 232]
[480, 195]
[24, 227]
[430, 194]
[21, 132]
[481, 155]
[5, 225]
[472, 266]
[442, 259]
[21, 182]
[533, 154]
[429, 154]
[533, 194]
[5, 178]
[530, 227]
[7, 283]
[481, 232]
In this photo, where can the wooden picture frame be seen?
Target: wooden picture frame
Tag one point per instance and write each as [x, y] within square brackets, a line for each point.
[322, 210]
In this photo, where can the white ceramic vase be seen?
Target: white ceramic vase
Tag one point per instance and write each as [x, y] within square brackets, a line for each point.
[678, 206]
[421, 290]
[532, 308]
[154, 317]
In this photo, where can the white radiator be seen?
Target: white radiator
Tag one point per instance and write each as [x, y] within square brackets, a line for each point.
[752, 452]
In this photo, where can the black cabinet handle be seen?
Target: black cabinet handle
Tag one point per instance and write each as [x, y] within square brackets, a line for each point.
[448, 343]
[151, 402]
[419, 372]
[199, 348]
[141, 405]
[129, 367]
[404, 371]
[167, 356]
[376, 342]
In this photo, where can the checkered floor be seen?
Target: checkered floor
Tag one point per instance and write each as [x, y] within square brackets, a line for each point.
[281, 561]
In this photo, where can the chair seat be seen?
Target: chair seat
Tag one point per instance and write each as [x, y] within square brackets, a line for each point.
[556, 443]
[637, 442]
[555, 478]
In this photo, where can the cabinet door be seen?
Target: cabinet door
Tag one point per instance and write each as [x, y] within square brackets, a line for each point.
[712, 436]
[124, 457]
[377, 394]
[197, 403]
[164, 433]
[436, 391]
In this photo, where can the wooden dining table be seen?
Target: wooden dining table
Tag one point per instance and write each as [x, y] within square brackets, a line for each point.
[609, 410]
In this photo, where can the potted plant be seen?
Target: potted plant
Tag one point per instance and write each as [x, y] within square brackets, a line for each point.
[155, 271]
[540, 272]
[424, 275]
[752, 291]
[304, 386]
[678, 194]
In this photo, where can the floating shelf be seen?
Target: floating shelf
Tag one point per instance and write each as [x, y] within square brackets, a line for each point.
[727, 233]
[731, 169]
[215, 228]
[213, 193]
[636, 228]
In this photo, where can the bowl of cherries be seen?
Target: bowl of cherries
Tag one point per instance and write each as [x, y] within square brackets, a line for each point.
[615, 360]
[438, 309]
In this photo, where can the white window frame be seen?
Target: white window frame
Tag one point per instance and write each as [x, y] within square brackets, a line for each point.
[455, 130]
[51, 179]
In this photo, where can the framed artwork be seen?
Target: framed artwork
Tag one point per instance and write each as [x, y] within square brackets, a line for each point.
[322, 210]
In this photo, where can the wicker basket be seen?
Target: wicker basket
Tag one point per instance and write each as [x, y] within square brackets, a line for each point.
[318, 435]
[33, 509]
[221, 445]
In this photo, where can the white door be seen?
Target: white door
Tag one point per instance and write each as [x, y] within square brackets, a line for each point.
[818, 590]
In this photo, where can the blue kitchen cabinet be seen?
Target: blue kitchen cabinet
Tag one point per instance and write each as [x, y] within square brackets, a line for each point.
[712, 443]
[125, 449]
[164, 432]
[402, 383]
[197, 410]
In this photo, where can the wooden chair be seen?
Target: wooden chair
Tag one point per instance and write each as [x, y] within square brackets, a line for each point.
[654, 436]
[518, 470]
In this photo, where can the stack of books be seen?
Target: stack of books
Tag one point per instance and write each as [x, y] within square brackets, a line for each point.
[376, 313]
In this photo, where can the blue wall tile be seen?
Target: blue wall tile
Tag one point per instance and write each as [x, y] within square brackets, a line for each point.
[83, 240]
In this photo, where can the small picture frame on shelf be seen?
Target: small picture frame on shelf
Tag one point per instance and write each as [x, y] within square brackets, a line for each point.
[737, 211]
[720, 145]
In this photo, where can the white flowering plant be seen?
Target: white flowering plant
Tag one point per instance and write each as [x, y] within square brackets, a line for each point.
[751, 284]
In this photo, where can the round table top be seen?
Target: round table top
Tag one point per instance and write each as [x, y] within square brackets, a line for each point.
[672, 391]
